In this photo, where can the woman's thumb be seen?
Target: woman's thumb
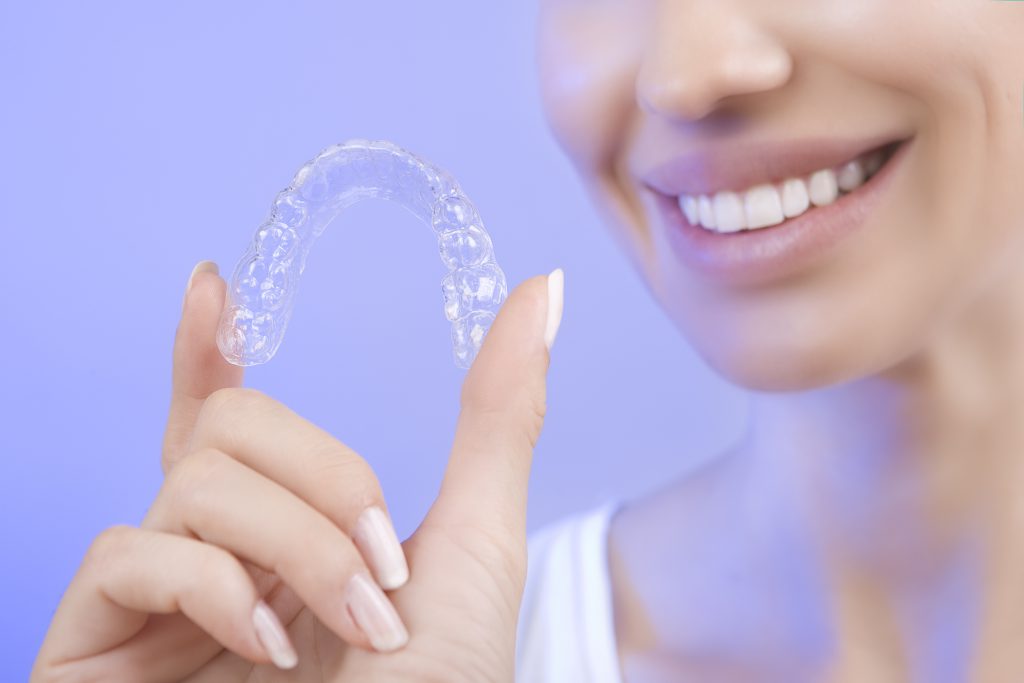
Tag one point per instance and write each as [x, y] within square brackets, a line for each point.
[503, 408]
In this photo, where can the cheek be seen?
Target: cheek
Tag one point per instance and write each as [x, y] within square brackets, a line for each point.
[588, 62]
[958, 67]
[954, 233]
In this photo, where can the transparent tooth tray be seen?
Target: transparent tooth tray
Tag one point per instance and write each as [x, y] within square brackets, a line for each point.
[262, 288]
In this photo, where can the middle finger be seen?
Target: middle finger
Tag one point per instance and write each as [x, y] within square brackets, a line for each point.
[270, 438]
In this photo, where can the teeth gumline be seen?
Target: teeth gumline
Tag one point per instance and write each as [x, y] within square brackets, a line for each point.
[882, 155]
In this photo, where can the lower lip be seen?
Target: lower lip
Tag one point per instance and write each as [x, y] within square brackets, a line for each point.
[757, 256]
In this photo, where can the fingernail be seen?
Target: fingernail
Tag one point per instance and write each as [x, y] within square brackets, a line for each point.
[556, 294]
[273, 637]
[375, 537]
[374, 614]
[201, 267]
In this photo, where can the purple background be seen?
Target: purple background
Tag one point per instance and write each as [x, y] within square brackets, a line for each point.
[139, 138]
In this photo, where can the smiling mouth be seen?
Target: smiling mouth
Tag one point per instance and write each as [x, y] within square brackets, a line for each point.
[770, 204]
[736, 253]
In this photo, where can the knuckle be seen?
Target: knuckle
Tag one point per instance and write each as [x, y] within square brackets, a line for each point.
[228, 415]
[334, 463]
[502, 552]
[217, 572]
[499, 554]
[188, 483]
[107, 545]
[235, 396]
[199, 468]
[520, 416]
[227, 403]
[324, 563]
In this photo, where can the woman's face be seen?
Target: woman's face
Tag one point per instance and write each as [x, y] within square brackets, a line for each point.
[655, 99]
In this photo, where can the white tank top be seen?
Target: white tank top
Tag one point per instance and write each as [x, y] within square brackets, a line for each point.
[566, 630]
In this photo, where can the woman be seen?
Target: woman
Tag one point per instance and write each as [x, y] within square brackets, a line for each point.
[824, 197]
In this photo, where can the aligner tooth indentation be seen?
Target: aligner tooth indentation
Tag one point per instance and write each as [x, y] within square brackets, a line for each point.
[253, 324]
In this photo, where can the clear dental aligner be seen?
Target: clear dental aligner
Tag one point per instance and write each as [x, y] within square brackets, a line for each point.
[262, 288]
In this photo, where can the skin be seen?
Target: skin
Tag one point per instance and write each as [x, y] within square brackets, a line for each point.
[259, 503]
[868, 526]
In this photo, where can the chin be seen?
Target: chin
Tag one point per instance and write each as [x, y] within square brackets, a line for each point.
[800, 360]
[761, 371]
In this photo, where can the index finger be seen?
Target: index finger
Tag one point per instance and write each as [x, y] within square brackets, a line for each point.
[199, 369]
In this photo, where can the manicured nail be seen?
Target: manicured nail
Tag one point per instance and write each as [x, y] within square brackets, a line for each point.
[273, 637]
[375, 537]
[374, 614]
[201, 267]
[556, 293]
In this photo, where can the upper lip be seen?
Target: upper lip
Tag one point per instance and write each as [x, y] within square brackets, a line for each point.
[739, 166]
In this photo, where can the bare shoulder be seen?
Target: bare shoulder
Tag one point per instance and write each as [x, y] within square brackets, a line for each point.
[710, 582]
[661, 550]
[690, 504]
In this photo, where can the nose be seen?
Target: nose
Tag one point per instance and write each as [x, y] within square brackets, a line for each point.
[703, 52]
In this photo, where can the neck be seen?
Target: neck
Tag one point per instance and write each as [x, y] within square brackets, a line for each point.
[911, 481]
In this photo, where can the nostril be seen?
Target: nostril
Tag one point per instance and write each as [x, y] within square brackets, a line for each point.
[674, 99]
[670, 89]
[691, 78]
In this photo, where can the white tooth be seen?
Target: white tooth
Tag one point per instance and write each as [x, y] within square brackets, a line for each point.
[795, 199]
[823, 188]
[872, 163]
[706, 211]
[689, 206]
[851, 176]
[729, 214]
[763, 207]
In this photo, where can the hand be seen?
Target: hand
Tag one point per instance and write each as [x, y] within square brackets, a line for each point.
[259, 549]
